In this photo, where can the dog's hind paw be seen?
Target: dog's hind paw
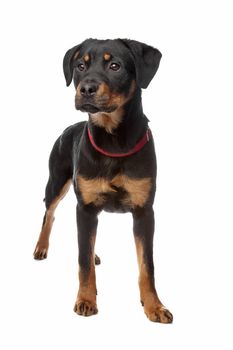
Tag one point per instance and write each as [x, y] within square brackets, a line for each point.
[97, 260]
[40, 253]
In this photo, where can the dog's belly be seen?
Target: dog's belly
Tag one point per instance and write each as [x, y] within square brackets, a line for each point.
[120, 194]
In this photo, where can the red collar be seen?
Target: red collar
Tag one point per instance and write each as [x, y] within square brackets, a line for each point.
[141, 143]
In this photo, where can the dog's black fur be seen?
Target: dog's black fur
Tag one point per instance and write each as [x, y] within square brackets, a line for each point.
[108, 76]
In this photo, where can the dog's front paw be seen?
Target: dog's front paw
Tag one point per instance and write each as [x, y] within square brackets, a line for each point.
[158, 314]
[85, 308]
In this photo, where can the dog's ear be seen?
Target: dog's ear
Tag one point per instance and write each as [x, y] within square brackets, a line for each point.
[68, 63]
[146, 59]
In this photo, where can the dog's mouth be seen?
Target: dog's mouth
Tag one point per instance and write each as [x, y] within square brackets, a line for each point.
[93, 108]
[90, 108]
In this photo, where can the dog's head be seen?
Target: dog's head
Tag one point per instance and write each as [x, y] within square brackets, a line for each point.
[107, 72]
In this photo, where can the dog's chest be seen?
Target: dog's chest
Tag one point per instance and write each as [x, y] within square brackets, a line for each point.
[115, 194]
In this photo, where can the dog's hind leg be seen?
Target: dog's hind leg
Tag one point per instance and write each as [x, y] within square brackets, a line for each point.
[57, 187]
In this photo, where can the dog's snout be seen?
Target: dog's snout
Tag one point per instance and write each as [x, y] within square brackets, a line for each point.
[88, 89]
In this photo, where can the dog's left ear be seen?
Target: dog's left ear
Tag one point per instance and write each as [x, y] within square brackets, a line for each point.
[146, 59]
[68, 63]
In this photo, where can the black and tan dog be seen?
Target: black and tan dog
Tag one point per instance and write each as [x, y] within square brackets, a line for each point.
[110, 160]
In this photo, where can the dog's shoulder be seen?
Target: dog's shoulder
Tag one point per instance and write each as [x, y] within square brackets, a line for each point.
[65, 142]
[74, 130]
[71, 133]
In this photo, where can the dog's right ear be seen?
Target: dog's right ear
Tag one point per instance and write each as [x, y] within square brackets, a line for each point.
[68, 63]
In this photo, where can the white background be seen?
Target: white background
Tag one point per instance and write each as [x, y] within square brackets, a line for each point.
[189, 104]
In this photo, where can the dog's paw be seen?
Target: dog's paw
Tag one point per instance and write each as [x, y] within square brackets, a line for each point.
[40, 252]
[97, 260]
[158, 314]
[85, 308]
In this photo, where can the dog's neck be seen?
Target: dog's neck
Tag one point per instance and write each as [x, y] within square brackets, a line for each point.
[120, 130]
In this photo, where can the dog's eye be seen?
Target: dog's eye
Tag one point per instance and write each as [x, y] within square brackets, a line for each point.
[114, 66]
[81, 67]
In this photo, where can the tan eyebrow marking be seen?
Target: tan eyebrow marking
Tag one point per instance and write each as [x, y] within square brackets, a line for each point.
[86, 58]
[107, 56]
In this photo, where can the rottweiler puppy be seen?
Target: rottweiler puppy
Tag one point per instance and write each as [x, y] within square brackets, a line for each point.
[110, 160]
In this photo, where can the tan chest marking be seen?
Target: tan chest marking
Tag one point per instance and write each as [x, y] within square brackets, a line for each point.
[93, 190]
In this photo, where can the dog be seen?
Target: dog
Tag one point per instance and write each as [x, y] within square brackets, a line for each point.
[110, 160]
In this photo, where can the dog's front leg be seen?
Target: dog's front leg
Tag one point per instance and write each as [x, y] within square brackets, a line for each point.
[87, 224]
[143, 234]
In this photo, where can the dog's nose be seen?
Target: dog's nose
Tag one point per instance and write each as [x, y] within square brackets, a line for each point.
[88, 89]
